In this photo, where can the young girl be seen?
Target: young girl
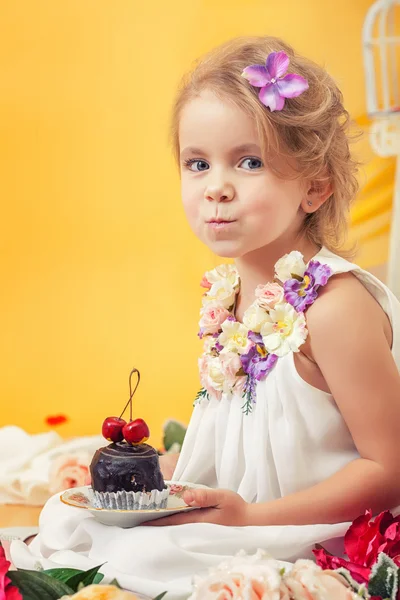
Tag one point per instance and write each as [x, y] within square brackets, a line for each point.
[267, 179]
[296, 425]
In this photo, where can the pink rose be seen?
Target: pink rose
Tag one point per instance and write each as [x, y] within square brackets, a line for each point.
[212, 317]
[307, 581]
[69, 471]
[269, 295]
[230, 366]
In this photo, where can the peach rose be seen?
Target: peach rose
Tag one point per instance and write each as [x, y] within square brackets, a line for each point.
[307, 581]
[243, 578]
[212, 316]
[101, 592]
[269, 295]
[69, 471]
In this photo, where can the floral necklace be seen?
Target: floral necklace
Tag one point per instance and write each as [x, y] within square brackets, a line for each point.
[237, 355]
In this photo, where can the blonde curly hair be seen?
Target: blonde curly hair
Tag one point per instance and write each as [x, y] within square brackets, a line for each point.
[312, 129]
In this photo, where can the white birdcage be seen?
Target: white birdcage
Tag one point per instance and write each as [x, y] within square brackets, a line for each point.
[381, 45]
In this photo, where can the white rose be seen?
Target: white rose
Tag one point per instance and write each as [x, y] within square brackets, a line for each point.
[290, 264]
[222, 292]
[227, 272]
[255, 317]
[216, 373]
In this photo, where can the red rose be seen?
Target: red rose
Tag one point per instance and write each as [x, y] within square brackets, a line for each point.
[366, 538]
[327, 561]
[364, 541]
[7, 591]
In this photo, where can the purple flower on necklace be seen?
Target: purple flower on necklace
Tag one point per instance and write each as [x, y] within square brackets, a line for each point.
[257, 362]
[302, 293]
[275, 85]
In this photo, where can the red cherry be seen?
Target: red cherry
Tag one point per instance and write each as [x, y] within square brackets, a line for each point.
[112, 429]
[136, 432]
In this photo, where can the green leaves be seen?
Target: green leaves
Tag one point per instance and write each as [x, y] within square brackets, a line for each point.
[52, 584]
[384, 578]
[200, 395]
[84, 578]
[36, 584]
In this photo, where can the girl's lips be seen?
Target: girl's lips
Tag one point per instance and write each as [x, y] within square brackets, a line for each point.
[219, 224]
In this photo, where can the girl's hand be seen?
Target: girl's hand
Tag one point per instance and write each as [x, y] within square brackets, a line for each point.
[168, 464]
[216, 506]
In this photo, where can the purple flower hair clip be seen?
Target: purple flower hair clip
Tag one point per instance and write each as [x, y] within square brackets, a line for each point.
[275, 85]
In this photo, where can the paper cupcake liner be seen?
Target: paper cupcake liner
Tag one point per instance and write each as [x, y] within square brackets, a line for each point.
[131, 500]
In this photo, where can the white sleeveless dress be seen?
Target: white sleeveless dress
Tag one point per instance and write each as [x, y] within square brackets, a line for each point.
[294, 438]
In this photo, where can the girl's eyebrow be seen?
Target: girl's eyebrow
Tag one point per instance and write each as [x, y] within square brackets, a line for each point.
[235, 150]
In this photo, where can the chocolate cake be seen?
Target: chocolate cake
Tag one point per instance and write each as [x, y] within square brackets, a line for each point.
[126, 474]
[121, 466]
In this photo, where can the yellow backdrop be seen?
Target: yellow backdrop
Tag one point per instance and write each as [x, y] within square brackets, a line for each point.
[99, 269]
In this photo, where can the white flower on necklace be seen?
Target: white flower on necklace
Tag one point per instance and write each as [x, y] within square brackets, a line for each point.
[221, 292]
[255, 317]
[289, 265]
[216, 373]
[285, 330]
[226, 272]
[234, 337]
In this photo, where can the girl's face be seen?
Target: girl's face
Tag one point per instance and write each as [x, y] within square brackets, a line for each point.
[234, 202]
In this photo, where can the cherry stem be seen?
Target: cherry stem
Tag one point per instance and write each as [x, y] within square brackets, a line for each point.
[131, 393]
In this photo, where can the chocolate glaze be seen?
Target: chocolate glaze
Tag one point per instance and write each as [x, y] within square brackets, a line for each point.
[121, 466]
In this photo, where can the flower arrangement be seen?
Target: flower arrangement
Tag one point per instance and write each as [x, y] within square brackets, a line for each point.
[372, 547]
[237, 355]
[260, 577]
[370, 572]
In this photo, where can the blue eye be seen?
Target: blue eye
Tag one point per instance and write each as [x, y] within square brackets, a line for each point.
[253, 163]
[202, 165]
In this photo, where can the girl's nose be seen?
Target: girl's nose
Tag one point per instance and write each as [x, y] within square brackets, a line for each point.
[220, 192]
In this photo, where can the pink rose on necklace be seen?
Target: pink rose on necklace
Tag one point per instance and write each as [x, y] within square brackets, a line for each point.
[231, 365]
[212, 317]
[269, 295]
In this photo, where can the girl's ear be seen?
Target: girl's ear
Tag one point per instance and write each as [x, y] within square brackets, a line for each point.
[316, 194]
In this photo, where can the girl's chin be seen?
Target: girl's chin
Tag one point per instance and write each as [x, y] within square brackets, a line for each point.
[226, 250]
